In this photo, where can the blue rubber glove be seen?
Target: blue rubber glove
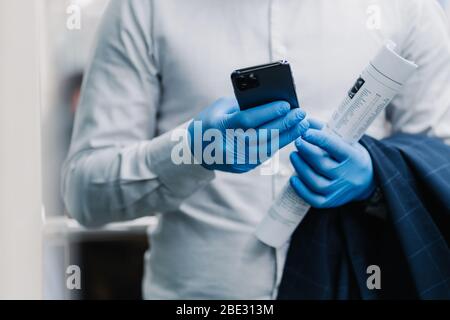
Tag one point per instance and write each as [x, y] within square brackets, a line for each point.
[240, 155]
[330, 171]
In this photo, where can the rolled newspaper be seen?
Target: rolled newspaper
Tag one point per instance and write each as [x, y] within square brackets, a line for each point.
[378, 84]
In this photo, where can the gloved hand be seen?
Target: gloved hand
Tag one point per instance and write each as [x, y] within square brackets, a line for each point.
[330, 171]
[243, 139]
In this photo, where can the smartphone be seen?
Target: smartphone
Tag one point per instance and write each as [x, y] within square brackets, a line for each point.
[263, 84]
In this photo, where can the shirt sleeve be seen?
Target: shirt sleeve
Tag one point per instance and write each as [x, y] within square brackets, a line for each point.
[424, 103]
[117, 169]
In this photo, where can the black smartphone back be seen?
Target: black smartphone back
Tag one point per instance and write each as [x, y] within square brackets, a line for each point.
[263, 84]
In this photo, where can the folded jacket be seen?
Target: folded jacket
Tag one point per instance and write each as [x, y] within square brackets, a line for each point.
[331, 250]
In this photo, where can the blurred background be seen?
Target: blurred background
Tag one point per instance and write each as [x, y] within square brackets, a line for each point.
[111, 259]
[46, 45]
[42, 60]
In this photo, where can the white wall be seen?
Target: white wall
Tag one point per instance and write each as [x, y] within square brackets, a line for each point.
[20, 213]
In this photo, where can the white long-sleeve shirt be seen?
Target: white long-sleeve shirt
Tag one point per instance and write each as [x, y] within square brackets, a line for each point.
[158, 63]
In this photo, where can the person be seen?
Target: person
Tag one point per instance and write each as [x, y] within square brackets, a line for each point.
[159, 64]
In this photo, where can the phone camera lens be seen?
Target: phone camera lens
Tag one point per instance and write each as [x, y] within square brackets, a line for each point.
[247, 82]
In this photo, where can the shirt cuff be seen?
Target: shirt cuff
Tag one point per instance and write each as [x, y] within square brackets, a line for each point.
[183, 179]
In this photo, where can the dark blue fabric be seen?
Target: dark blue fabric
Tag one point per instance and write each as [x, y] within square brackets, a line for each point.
[331, 250]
